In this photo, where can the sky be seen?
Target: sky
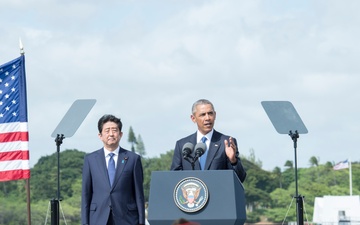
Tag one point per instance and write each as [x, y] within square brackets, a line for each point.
[147, 62]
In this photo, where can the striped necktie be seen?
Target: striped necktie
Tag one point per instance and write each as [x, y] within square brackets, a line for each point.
[203, 157]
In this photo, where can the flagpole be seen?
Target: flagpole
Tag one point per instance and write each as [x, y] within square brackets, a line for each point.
[22, 52]
[350, 177]
[28, 201]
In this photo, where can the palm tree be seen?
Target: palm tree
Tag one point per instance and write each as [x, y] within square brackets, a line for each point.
[314, 161]
[277, 172]
[289, 164]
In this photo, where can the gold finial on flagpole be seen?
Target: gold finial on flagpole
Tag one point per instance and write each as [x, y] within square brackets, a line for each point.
[22, 52]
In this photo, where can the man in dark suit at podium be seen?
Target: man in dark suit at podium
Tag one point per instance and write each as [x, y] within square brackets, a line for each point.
[221, 150]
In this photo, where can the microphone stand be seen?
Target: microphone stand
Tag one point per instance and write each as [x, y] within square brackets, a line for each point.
[299, 198]
[199, 151]
[192, 161]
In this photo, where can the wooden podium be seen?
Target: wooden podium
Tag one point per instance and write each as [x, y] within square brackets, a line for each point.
[221, 189]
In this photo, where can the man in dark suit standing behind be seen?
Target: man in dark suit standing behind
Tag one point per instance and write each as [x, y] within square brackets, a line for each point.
[221, 150]
[112, 181]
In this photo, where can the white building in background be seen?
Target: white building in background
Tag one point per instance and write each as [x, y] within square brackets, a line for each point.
[333, 210]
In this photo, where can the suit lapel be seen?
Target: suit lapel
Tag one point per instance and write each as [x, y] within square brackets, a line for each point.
[214, 147]
[121, 163]
[101, 163]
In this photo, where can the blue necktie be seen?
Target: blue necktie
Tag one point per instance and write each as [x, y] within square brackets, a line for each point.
[203, 157]
[111, 168]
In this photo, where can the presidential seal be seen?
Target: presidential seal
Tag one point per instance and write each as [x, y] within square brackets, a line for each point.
[191, 194]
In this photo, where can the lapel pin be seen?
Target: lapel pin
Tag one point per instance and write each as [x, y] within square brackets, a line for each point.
[123, 161]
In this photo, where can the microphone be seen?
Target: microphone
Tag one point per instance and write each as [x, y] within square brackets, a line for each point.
[199, 150]
[187, 149]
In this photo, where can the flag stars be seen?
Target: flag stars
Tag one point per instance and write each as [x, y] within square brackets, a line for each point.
[12, 91]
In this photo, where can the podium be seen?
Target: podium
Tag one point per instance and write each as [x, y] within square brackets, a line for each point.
[219, 195]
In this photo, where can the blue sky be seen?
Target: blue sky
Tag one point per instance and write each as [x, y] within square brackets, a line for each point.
[148, 61]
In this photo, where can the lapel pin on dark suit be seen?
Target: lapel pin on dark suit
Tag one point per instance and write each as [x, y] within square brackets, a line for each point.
[123, 161]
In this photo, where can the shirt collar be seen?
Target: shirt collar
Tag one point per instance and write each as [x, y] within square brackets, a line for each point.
[199, 135]
[116, 151]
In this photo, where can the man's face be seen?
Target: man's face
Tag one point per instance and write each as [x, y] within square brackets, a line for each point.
[204, 117]
[110, 135]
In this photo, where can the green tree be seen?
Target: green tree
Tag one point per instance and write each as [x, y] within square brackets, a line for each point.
[252, 158]
[140, 147]
[263, 196]
[258, 184]
[278, 175]
[314, 161]
[44, 175]
[161, 163]
[282, 205]
[132, 139]
[289, 164]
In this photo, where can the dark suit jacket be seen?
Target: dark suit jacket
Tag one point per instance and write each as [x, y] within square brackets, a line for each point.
[125, 197]
[216, 158]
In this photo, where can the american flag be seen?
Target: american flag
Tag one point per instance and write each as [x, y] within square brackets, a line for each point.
[341, 165]
[14, 136]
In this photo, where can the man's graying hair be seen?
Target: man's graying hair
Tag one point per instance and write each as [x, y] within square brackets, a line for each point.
[201, 102]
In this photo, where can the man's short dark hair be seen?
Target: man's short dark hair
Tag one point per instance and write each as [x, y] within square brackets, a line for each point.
[109, 118]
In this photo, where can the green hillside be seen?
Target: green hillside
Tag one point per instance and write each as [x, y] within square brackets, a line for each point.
[269, 194]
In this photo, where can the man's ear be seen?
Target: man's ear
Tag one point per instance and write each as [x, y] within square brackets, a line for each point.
[192, 117]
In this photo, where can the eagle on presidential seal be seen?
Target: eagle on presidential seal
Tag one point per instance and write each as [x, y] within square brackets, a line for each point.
[191, 194]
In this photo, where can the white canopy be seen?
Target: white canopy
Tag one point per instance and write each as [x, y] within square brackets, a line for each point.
[332, 209]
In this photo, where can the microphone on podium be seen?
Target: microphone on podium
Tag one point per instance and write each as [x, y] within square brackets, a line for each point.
[187, 150]
[199, 150]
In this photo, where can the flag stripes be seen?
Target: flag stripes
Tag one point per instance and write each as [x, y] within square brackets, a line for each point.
[14, 136]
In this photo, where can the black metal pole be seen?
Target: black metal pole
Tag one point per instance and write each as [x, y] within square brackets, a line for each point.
[55, 218]
[54, 212]
[300, 210]
[192, 161]
[299, 198]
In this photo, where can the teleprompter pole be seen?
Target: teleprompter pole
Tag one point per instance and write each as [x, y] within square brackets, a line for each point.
[299, 198]
[55, 213]
[285, 119]
[66, 128]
